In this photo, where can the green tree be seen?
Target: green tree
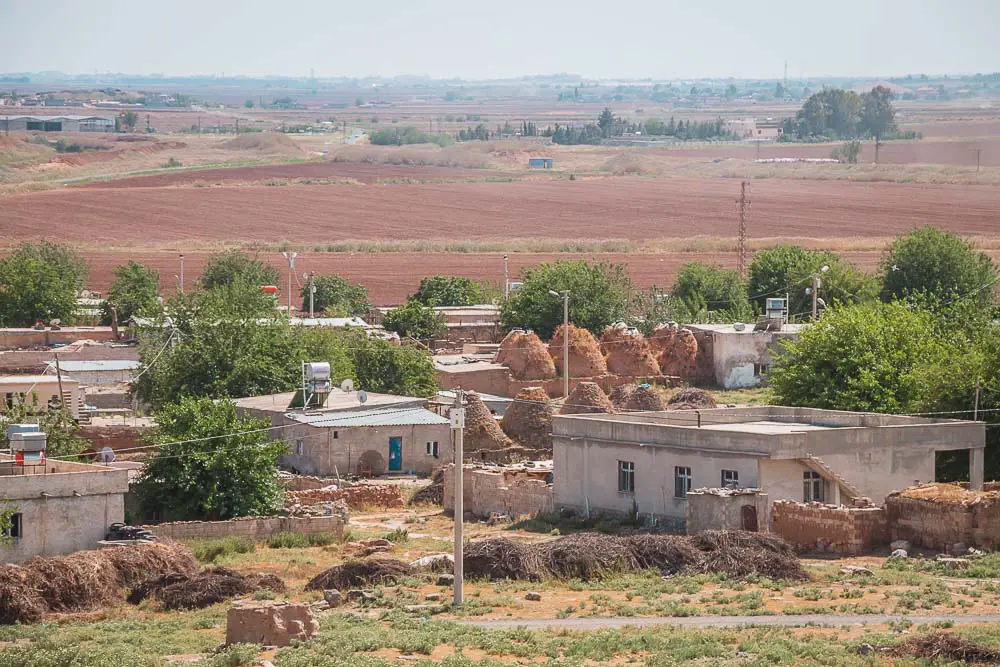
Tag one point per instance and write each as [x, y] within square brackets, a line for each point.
[449, 291]
[248, 104]
[701, 289]
[832, 112]
[599, 296]
[848, 152]
[210, 464]
[129, 120]
[231, 266]
[788, 269]
[415, 320]
[606, 121]
[133, 292]
[866, 357]
[336, 296]
[878, 118]
[39, 282]
[651, 307]
[379, 366]
[939, 266]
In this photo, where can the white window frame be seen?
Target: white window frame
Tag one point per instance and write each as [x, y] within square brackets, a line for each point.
[682, 481]
[813, 487]
[626, 477]
[431, 448]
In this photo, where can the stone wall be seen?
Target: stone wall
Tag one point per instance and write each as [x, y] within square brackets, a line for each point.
[257, 527]
[305, 482]
[818, 527]
[501, 490]
[360, 497]
[938, 525]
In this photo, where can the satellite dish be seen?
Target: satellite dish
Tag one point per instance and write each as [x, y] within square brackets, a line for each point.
[106, 455]
[347, 386]
[362, 396]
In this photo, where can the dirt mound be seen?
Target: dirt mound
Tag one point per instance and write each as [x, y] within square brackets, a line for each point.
[691, 398]
[620, 393]
[264, 143]
[84, 580]
[644, 399]
[587, 398]
[947, 647]
[208, 587]
[433, 493]
[360, 574]
[627, 352]
[500, 558]
[585, 358]
[526, 356]
[528, 419]
[587, 556]
[481, 429]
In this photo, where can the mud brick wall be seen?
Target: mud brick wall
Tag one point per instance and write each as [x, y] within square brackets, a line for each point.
[357, 497]
[504, 492]
[816, 527]
[305, 482]
[257, 528]
[939, 525]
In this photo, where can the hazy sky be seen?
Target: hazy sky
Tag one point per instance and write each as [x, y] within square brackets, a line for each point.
[474, 39]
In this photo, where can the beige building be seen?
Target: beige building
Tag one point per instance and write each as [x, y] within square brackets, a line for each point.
[385, 434]
[741, 356]
[59, 507]
[608, 462]
[42, 390]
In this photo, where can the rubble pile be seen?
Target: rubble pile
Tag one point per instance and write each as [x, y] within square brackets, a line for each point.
[585, 357]
[526, 356]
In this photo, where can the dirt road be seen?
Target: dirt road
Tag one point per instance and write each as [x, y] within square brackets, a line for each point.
[727, 621]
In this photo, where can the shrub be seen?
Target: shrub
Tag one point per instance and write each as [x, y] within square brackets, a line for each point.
[210, 549]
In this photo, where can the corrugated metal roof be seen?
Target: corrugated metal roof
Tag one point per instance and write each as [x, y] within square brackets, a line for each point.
[487, 398]
[382, 417]
[96, 365]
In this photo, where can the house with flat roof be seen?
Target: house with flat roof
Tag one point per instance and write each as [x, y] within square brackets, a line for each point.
[607, 462]
[42, 391]
[384, 434]
[738, 355]
[97, 372]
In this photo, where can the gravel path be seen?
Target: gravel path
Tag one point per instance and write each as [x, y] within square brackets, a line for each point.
[727, 621]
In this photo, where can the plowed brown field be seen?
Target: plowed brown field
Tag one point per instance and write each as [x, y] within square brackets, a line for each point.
[632, 208]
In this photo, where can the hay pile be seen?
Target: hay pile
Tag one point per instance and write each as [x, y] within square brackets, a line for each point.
[627, 352]
[587, 398]
[644, 399]
[680, 358]
[667, 553]
[210, 586]
[691, 398]
[947, 647]
[433, 493]
[585, 358]
[587, 556]
[741, 554]
[84, 580]
[526, 356]
[940, 492]
[528, 420]
[360, 574]
[500, 558]
[482, 433]
[663, 338]
[619, 395]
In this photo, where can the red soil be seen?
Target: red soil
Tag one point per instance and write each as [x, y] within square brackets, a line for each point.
[633, 208]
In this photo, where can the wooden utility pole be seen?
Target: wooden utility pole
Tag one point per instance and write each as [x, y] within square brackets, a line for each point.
[457, 428]
[62, 396]
[741, 260]
[878, 144]
[975, 405]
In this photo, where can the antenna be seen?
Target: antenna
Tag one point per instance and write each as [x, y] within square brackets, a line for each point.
[347, 386]
[107, 455]
[741, 260]
[362, 396]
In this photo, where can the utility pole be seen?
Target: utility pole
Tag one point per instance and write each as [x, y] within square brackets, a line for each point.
[457, 426]
[506, 280]
[345, 131]
[237, 126]
[975, 406]
[312, 292]
[741, 260]
[290, 256]
[565, 345]
[979, 153]
[182, 273]
[815, 289]
[878, 144]
[62, 396]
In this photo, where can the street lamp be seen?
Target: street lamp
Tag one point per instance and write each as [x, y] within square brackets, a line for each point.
[565, 297]
[815, 289]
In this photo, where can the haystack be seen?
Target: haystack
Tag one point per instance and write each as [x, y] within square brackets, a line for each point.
[528, 420]
[360, 574]
[644, 399]
[585, 358]
[481, 429]
[627, 352]
[526, 356]
[587, 397]
[620, 393]
[679, 359]
[499, 558]
[587, 556]
[691, 398]
[662, 338]
[208, 587]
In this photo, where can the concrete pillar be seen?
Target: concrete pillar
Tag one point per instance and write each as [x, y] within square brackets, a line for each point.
[836, 492]
[976, 468]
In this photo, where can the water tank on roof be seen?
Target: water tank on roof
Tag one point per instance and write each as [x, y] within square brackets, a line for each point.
[317, 371]
[21, 428]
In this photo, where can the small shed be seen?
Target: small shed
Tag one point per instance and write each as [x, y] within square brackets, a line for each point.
[540, 163]
[727, 509]
[99, 372]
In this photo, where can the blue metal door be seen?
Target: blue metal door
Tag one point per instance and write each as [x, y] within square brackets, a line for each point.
[395, 454]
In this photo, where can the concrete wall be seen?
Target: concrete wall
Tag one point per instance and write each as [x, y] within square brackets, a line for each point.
[586, 476]
[258, 528]
[818, 527]
[736, 354]
[710, 511]
[15, 339]
[509, 492]
[81, 502]
[45, 391]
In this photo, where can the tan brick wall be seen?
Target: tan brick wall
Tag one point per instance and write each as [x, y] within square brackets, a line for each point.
[258, 528]
[813, 526]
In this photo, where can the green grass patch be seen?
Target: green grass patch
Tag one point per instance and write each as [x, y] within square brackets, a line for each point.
[211, 549]
[300, 540]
